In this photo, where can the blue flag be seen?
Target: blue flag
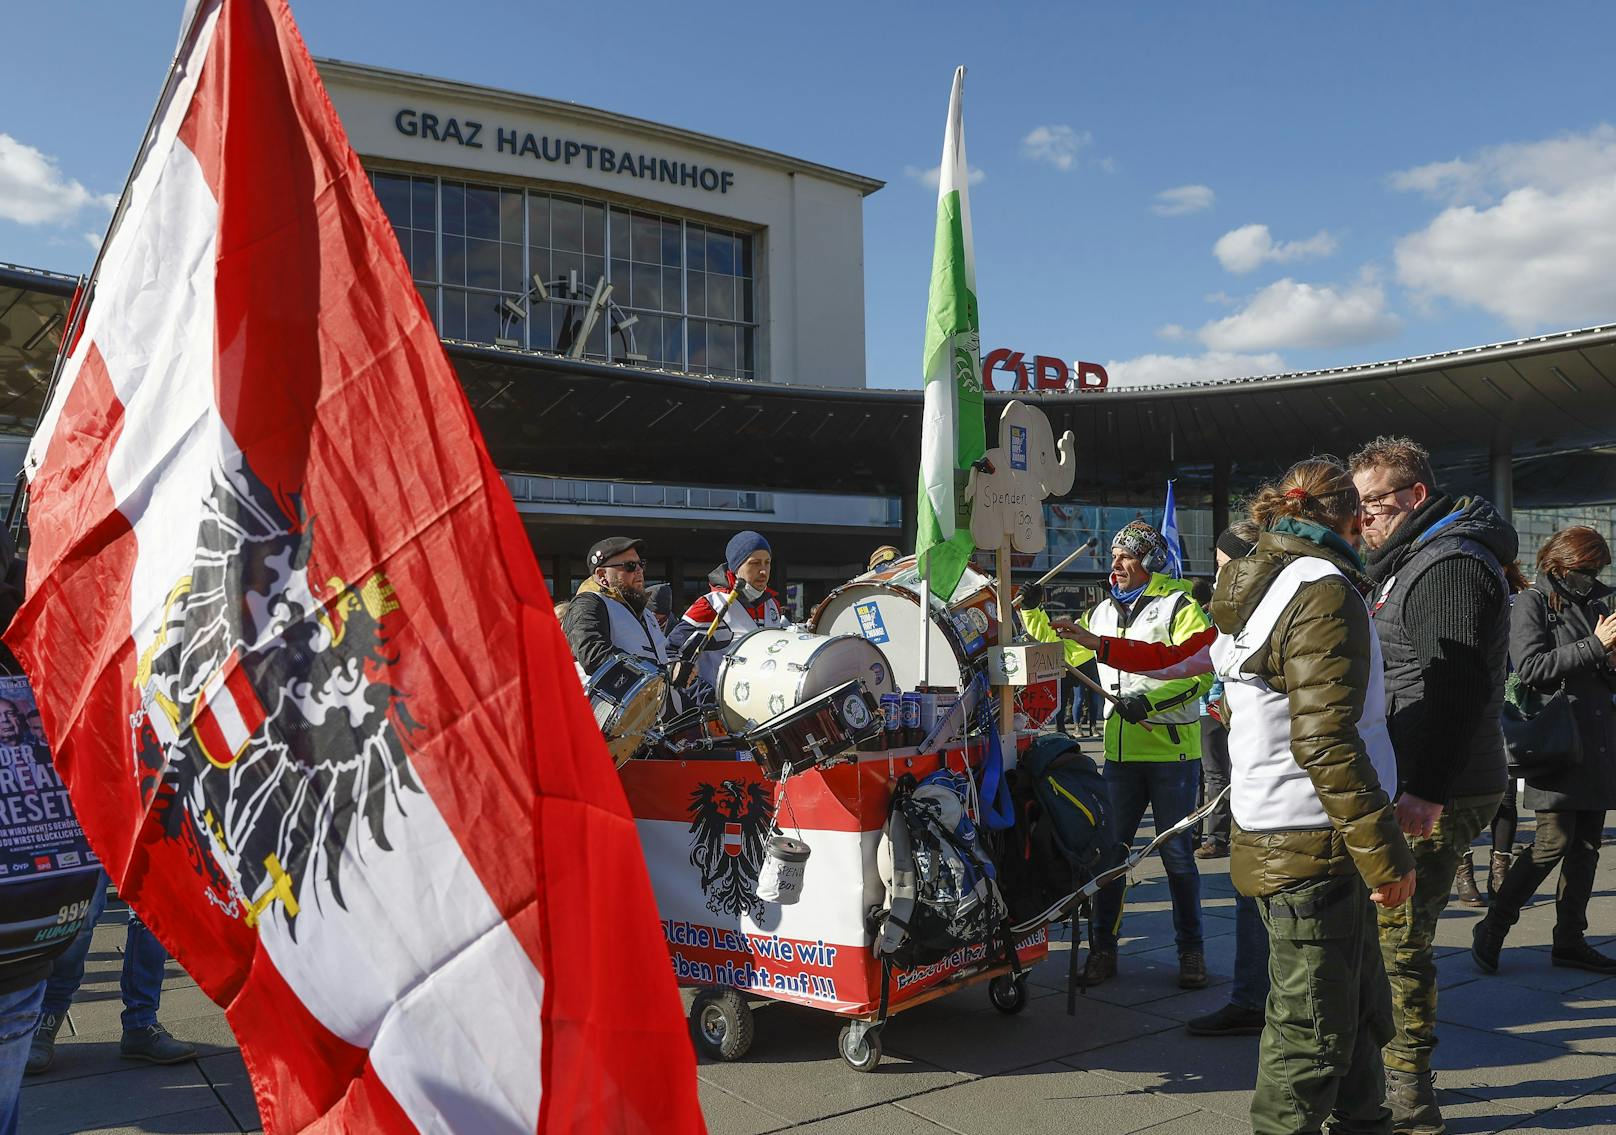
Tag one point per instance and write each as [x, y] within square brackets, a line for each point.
[1169, 531]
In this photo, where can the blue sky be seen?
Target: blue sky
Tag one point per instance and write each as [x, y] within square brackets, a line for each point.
[1173, 190]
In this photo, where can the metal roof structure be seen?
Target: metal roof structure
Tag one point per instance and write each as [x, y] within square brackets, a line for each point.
[1549, 401]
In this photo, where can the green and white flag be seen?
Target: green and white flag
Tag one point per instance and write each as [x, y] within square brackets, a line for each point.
[952, 431]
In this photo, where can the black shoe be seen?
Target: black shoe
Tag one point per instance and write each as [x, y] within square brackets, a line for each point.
[1486, 940]
[1192, 970]
[42, 1049]
[1100, 966]
[153, 1044]
[1412, 1099]
[1582, 956]
[1231, 1020]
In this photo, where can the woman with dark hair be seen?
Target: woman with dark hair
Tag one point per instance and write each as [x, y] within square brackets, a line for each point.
[1563, 636]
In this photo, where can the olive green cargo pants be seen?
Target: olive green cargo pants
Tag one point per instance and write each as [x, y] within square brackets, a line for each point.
[1329, 1012]
[1408, 932]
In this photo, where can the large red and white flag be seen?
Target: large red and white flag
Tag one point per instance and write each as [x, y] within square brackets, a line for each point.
[305, 682]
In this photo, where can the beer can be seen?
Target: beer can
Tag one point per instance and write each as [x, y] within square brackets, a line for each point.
[892, 719]
[911, 718]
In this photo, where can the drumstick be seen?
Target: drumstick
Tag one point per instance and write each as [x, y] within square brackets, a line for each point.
[1101, 690]
[1086, 545]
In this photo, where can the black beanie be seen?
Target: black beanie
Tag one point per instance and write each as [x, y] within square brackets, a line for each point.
[1233, 546]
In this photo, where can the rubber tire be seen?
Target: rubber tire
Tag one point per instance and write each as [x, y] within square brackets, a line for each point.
[721, 1023]
[865, 1060]
[1008, 995]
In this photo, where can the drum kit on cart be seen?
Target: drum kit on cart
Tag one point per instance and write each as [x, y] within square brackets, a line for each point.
[799, 698]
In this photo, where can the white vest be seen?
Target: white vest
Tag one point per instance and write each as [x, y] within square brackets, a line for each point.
[1152, 623]
[1270, 791]
[740, 623]
[639, 634]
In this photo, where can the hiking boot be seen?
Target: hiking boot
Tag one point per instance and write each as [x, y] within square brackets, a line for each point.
[1465, 881]
[1582, 956]
[1231, 1020]
[1497, 866]
[1192, 970]
[42, 1049]
[1101, 965]
[1412, 1098]
[1211, 849]
[1486, 940]
[153, 1044]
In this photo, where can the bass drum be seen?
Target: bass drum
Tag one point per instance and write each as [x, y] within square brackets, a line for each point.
[883, 606]
[771, 670]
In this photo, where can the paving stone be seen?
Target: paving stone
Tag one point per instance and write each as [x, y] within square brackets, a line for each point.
[1519, 1075]
[965, 1034]
[228, 1075]
[731, 1114]
[794, 1069]
[1200, 1123]
[202, 1121]
[1046, 1098]
[888, 1119]
[133, 1094]
[1579, 1021]
[1215, 1074]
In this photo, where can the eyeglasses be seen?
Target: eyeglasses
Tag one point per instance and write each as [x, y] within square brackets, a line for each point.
[630, 566]
[1378, 503]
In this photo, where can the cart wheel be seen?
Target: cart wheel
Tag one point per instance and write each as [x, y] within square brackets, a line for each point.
[862, 1055]
[721, 1022]
[1008, 995]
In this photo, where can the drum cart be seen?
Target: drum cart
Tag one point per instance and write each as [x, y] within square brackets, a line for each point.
[734, 949]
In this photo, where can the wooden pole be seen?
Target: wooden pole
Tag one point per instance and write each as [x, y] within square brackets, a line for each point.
[1085, 546]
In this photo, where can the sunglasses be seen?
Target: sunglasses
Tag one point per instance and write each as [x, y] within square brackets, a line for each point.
[630, 566]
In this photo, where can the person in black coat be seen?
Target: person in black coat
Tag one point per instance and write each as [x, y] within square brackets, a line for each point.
[1563, 634]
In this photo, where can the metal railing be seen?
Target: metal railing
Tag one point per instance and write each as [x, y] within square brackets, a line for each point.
[527, 489]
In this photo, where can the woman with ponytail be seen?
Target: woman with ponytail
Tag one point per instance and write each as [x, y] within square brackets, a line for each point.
[1315, 837]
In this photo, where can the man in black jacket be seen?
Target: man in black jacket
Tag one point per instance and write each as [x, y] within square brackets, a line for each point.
[609, 616]
[1441, 612]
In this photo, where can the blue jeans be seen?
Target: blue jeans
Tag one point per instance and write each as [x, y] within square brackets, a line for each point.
[1250, 989]
[1169, 789]
[19, 1011]
[143, 961]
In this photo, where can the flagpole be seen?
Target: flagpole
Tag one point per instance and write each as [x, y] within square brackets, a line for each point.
[925, 624]
[17, 516]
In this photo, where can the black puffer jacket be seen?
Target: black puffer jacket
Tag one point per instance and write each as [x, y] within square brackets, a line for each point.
[1549, 647]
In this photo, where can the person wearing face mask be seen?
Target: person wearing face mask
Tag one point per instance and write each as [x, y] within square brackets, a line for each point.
[741, 604]
[1563, 635]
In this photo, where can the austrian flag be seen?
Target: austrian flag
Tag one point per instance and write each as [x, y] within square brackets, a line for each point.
[307, 687]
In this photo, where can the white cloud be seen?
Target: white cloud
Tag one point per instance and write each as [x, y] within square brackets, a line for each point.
[1182, 200]
[1057, 145]
[1171, 331]
[33, 190]
[933, 175]
[1291, 314]
[1250, 246]
[1164, 370]
[1106, 164]
[1529, 233]
[93, 240]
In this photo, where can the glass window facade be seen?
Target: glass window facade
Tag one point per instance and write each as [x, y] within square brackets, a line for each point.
[683, 293]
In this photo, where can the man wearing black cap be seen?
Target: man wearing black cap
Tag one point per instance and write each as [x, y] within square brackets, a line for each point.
[612, 617]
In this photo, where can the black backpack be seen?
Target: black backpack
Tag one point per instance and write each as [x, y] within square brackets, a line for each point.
[1059, 836]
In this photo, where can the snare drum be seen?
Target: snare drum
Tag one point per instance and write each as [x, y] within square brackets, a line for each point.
[884, 607]
[771, 670]
[819, 730]
[627, 695]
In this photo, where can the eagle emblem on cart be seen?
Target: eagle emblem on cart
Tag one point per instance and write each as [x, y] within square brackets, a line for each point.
[267, 740]
[730, 823]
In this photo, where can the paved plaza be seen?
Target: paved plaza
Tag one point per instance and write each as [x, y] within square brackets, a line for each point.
[1530, 1050]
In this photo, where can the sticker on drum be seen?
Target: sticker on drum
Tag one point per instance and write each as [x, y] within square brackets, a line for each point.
[743, 690]
[777, 704]
[871, 625]
[777, 646]
[856, 711]
[879, 673]
[805, 636]
[972, 624]
[768, 664]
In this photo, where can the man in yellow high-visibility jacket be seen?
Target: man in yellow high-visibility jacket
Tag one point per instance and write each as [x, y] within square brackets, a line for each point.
[1152, 739]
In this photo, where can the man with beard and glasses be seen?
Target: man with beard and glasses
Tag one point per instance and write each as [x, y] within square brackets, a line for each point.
[1441, 612]
[612, 617]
